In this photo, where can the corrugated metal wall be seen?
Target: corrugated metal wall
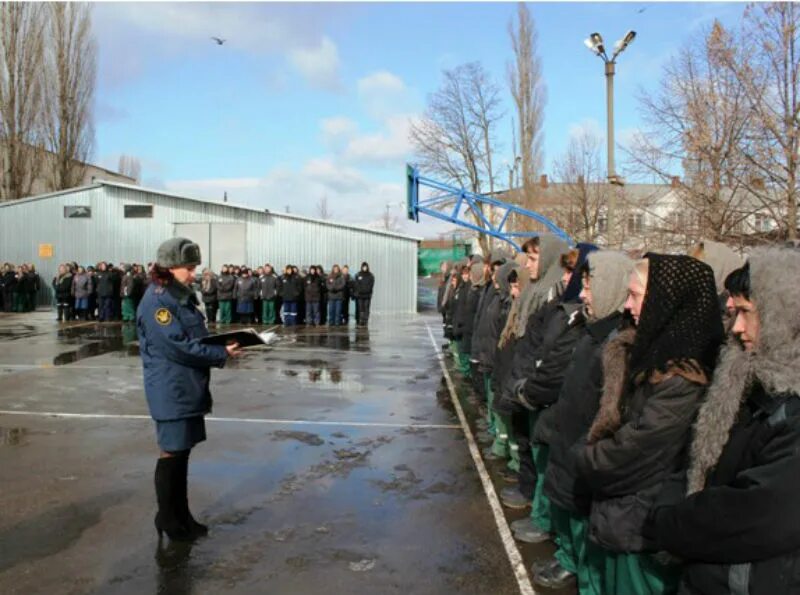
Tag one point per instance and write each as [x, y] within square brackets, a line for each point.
[273, 238]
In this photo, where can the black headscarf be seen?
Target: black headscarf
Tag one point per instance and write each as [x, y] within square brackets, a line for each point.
[573, 289]
[680, 323]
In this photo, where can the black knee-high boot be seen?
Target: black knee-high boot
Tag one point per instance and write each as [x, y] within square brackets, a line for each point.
[184, 514]
[167, 480]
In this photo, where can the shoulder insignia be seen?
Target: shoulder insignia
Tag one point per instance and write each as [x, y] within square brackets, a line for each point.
[163, 316]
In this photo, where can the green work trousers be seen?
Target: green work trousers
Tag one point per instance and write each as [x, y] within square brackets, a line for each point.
[462, 359]
[638, 573]
[268, 312]
[128, 310]
[575, 552]
[225, 311]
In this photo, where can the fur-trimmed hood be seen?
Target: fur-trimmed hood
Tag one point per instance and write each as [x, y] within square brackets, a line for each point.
[775, 363]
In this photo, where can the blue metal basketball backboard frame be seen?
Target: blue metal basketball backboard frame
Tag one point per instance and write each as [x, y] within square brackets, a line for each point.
[463, 202]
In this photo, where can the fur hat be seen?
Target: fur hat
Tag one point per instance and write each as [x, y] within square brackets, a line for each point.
[178, 252]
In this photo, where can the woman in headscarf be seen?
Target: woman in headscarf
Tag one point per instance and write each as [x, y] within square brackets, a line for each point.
[651, 395]
[738, 527]
[604, 290]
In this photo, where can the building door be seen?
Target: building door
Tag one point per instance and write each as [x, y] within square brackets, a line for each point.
[228, 244]
[199, 234]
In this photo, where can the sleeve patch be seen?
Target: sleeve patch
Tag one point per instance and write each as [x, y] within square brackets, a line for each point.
[163, 316]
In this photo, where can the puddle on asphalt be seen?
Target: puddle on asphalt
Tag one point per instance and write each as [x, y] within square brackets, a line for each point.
[334, 340]
[12, 436]
[22, 331]
[95, 341]
[304, 437]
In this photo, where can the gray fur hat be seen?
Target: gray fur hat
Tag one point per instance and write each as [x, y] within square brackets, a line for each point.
[178, 252]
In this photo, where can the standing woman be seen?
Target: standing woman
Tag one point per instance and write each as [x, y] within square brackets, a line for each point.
[176, 375]
[335, 283]
[244, 293]
[651, 394]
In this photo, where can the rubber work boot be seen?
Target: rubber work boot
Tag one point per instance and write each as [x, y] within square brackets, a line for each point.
[554, 577]
[522, 524]
[197, 529]
[512, 498]
[531, 534]
[541, 565]
[167, 487]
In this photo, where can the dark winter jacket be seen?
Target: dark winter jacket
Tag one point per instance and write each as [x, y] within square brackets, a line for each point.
[245, 289]
[63, 287]
[104, 283]
[209, 288]
[465, 323]
[460, 300]
[440, 294]
[82, 286]
[738, 529]
[572, 415]
[336, 285]
[291, 288]
[756, 478]
[268, 287]
[176, 364]
[626, 471]
[487, 330]
[363, 284]
[313, 288]
[127, 286]
[225, 286]
[519, 360]
[561, 333]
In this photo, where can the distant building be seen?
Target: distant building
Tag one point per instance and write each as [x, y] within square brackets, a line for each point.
[44, 183]
[120, 223]
[655, 217]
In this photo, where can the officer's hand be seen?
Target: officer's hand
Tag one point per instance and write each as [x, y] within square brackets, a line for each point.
[233, 350]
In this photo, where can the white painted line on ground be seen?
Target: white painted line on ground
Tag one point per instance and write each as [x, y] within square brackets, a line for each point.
[514, 557]
[251, 420]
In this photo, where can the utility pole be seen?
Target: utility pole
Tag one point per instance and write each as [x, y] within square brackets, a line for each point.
[595, 44]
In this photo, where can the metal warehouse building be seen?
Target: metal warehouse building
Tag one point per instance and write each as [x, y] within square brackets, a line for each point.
[121, 223]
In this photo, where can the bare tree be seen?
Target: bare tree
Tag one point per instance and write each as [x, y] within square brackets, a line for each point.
[130, 166]
[388, 220]
[697, 120]
[71, 70]
[323, 211]
[765, 59]
[530, 94]
[583, 189]
[455, 137]
[22, 48]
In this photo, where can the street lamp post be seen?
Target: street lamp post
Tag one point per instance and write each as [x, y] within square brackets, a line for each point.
[595, 43]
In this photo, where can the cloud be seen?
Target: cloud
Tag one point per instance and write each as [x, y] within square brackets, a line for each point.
[319, 65]
[383, 94]
[134, 37]
[586, 126]
[386, 146]
[352, 196]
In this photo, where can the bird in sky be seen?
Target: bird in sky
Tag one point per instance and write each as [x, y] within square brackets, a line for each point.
[641, 10]
[219, 40]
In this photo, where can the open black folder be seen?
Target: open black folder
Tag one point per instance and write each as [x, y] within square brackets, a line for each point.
[245, 338]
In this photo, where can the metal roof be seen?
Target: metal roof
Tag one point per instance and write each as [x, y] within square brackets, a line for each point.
[99, 183]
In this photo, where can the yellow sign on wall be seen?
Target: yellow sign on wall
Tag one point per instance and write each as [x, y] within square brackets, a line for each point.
[45, 250]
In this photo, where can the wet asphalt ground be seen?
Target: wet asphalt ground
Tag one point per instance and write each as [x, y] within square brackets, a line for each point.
[335, 463]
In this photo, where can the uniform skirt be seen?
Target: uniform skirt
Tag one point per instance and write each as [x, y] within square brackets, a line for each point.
[180, 434]
[244, 307]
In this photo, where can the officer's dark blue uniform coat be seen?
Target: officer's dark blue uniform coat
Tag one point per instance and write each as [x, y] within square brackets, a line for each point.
[176, 364]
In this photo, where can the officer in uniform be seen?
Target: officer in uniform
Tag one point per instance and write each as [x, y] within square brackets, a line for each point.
[176, 375]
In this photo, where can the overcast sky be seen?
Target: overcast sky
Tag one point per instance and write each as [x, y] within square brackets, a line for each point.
[311, 100]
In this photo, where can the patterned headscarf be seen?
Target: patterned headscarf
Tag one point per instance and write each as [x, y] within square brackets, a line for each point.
[680, 324]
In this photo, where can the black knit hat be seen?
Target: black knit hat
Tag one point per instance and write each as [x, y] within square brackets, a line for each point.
[681, 322]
